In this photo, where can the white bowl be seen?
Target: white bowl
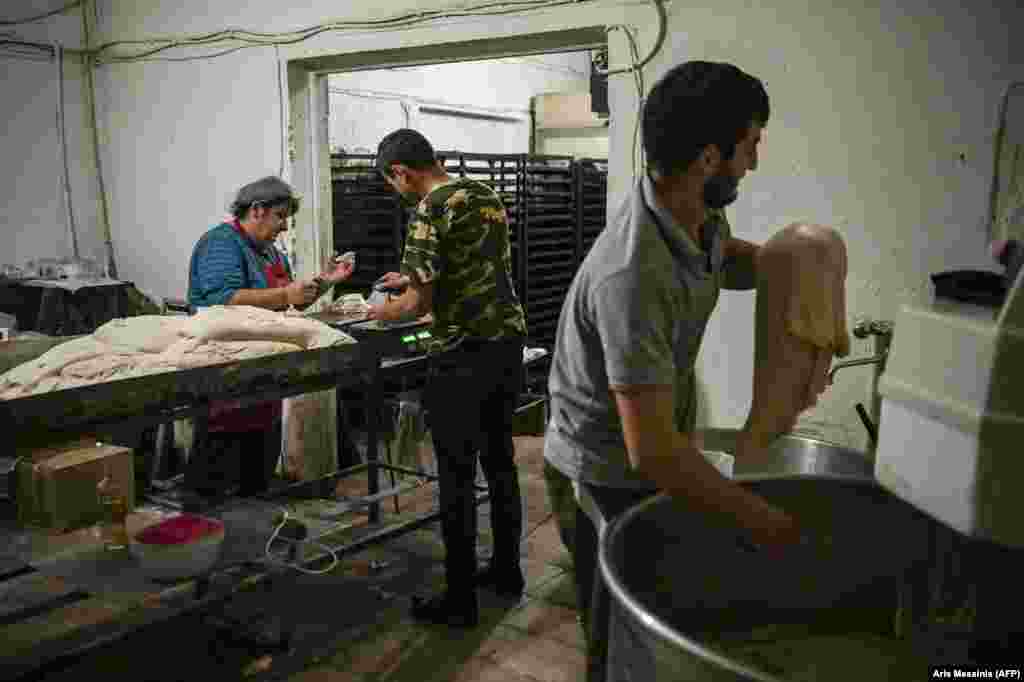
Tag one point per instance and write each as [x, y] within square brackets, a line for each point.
[178, 561]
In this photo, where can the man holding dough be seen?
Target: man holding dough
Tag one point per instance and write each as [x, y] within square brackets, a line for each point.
[237, 263]
[623, 398]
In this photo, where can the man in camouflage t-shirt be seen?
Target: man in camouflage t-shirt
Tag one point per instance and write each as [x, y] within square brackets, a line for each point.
[457, 265]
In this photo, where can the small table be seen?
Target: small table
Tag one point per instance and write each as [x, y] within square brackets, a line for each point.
[65, 307]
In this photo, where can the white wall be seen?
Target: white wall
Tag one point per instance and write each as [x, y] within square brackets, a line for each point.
[366, 105]
[872, 107]
[181, 137]
[33, 220]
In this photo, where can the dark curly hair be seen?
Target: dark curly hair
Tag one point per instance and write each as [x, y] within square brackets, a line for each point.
[697, 104]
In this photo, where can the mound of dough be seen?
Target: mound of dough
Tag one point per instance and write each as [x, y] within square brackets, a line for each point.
[150, 344]
[142, 334]
[191, 353]
[40, 375]
[800, 326]
[247, 323]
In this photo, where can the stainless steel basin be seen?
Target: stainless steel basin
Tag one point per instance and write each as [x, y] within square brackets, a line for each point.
[690, 604]
[792, 454]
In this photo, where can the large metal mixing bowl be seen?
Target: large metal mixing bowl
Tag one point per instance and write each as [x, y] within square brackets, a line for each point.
[681, 587]
[792, 454]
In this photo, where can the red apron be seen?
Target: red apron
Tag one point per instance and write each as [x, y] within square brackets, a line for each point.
[226, 415]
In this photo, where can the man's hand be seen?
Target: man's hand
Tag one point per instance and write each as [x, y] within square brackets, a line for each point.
[393, 280]
[775, 532]
[301, 293]
[669, 460]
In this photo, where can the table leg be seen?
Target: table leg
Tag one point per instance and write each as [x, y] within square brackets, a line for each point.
[373, 407]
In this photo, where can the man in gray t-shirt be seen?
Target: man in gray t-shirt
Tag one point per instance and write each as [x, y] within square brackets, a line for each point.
[623, 400]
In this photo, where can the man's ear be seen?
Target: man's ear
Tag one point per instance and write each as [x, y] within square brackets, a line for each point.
[711, 159]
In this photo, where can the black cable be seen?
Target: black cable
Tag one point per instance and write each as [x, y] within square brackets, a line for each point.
[232, 33]
[35, 46]
[280, 106]
[405, 21]
[29, 20]
[62, 132]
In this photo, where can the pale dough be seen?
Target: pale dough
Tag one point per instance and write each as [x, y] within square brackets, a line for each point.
[41, 374]
[150, 344]
[191, 353]
[145, 333]
[247, 323]
[800, 325]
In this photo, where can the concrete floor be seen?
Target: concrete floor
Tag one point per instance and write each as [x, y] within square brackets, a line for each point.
[353, 625]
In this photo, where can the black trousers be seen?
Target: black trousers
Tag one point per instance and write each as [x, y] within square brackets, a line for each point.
[471, 397]
[222, 459]
[592, 593]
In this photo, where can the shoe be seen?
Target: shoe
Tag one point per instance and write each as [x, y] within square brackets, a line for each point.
[441, 609]
[509, 584]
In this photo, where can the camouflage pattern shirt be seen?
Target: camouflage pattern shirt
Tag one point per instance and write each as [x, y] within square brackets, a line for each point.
[459, 242]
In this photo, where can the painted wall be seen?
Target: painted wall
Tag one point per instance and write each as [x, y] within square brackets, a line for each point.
[33, 221]
[883, 117]
[181, 137]
[366, 105]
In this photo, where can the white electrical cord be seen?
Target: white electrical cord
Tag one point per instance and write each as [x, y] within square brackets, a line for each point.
[286, 514]
[659, 41]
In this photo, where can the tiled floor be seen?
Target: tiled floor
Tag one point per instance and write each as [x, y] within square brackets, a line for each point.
[537, 639]
[353, 625]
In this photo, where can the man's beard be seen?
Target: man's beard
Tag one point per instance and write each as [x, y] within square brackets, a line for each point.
[721, 190]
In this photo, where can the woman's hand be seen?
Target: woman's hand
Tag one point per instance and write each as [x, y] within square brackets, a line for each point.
[341, 271]
[301, 293]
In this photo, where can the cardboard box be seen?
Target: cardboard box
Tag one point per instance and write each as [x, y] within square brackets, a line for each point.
[56, 485]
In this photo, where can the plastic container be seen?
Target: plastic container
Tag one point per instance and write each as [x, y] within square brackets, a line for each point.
[181, 547]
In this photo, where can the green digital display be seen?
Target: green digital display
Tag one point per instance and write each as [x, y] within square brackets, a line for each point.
[409, 339]
[423, 335]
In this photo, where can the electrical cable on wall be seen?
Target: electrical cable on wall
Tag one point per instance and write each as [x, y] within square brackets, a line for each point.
[658, 42]
[638, 79]
[65, 179]
[14, 48]
[280, 100]
[88, 65]
[256, 39]
[28, 20]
